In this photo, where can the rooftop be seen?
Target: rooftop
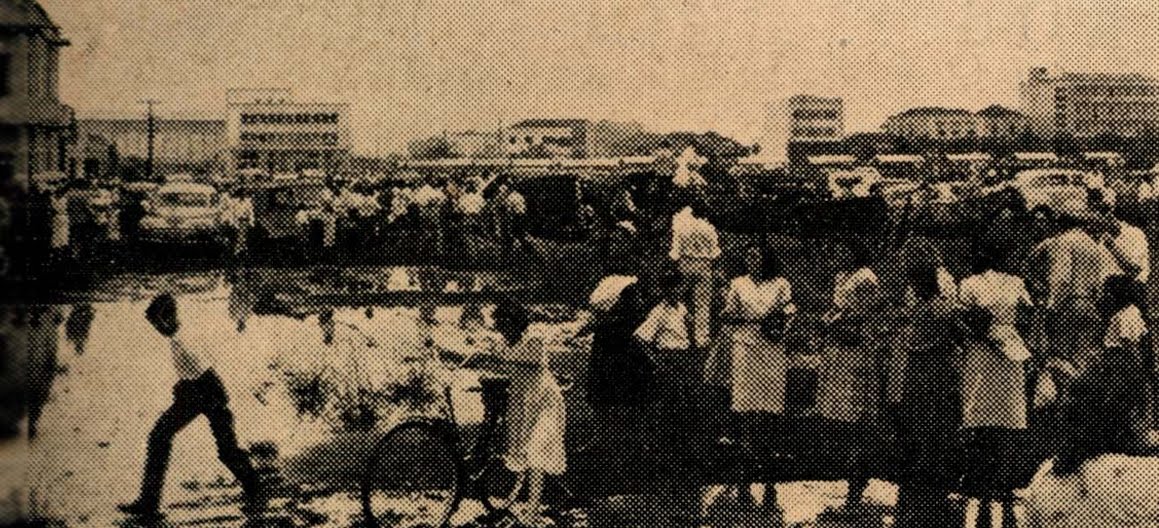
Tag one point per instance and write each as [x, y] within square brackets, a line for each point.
[998, 111]
[923, 111]
[28, 15]
[550, 123]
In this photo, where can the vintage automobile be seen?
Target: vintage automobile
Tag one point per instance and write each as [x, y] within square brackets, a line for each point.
[276, 205]
[182, 212]
[1045, 191]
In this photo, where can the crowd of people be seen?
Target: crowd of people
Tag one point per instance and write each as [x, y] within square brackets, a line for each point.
[970, 383]
[944, 385]
[941, 385]
[97, 224]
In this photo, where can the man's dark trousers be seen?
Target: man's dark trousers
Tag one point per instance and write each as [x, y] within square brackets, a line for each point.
[192, 398]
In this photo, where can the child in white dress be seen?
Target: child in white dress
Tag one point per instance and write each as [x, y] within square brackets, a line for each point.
[536, 414]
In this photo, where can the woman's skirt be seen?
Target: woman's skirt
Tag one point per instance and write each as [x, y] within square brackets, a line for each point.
[759, 371]
[993, 389]
[995, 461]
[849, 383]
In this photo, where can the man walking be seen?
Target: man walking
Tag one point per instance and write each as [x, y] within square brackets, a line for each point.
[198, 391]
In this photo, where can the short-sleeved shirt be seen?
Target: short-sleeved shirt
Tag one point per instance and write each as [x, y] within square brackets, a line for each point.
[693, 237]
[1000, 295]
[1075, 267]
[1132, 243]
[666, 327]
[752, 301]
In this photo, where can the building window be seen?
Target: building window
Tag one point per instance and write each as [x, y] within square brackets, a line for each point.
[5, 82]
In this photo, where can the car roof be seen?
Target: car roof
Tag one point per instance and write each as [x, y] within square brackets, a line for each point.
[186, 188]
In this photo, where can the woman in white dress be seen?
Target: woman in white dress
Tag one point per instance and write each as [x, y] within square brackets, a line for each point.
[994, 406]
[758, 304]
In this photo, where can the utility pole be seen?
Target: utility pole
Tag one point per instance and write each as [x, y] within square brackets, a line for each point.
[151, 133]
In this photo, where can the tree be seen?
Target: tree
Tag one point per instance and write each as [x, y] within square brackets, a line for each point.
[430, 148]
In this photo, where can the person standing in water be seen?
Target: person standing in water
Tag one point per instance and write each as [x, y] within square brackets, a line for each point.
[198, 391]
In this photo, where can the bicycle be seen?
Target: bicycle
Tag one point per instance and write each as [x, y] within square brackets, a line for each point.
[423, 460]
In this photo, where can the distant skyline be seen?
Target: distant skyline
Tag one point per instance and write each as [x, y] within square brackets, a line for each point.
[413, 68]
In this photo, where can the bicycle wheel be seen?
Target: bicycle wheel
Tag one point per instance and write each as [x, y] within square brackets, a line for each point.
[499, 486]
[412, 478]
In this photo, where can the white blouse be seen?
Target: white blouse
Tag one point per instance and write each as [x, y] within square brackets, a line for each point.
[746, 299]
[666, 327]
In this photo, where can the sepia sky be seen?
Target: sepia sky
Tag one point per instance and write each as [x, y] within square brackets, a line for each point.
[416, 67]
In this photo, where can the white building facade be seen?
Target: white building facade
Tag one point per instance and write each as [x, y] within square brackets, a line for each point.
[267, 130]
[801, 118]
[1090, 104]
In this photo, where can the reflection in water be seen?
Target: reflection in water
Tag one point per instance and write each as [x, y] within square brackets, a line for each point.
[242, 298]
[43, 342]
[12, 347]
[78, 325]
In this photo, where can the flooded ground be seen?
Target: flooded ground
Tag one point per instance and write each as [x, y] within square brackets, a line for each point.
[114, 376]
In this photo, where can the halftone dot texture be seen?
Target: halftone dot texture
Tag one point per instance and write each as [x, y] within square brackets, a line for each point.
[340, 193]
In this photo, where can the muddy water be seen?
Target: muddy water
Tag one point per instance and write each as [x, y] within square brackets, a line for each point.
[87, 456]
[106, 396]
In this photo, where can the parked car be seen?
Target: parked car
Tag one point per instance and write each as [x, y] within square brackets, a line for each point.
[277, 203]
[182, 212]
[1045, 190]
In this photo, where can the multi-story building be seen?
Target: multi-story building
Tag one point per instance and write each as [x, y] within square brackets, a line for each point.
[474, 144]
[996, 121]
[265, 129]
[932, 122]
[1090, 104]
[951, 124]
[177, 143]
[801, 119]
[36, 129]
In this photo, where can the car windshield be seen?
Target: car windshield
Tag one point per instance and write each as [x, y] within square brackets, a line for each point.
[184, 199]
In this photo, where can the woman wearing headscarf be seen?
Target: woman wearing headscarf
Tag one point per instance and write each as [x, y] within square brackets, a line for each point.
[851, 372]
[618, 382]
